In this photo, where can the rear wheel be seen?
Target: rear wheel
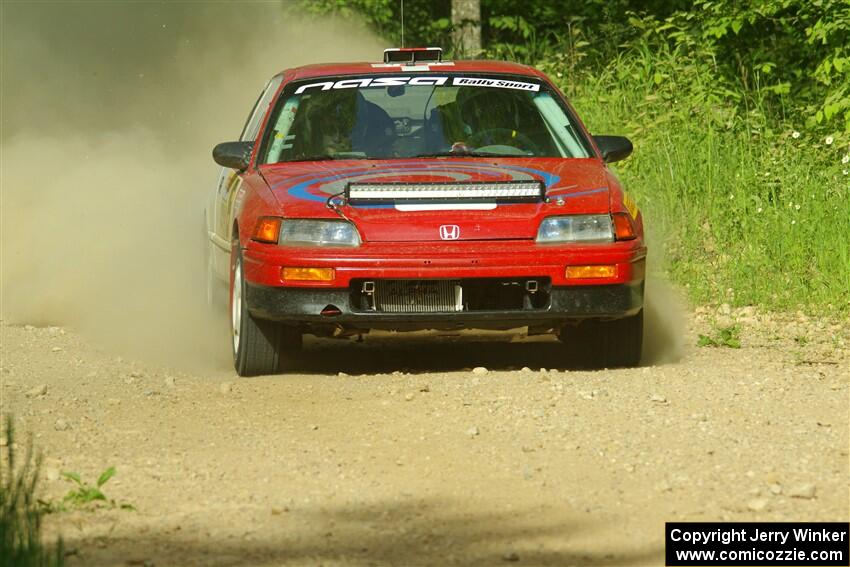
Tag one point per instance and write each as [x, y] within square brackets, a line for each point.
[604, 344]
[259, 346]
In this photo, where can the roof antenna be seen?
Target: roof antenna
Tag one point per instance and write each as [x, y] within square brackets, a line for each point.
[402, 23]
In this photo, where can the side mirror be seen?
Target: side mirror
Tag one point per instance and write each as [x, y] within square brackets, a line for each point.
[614, 148]
[235, 155]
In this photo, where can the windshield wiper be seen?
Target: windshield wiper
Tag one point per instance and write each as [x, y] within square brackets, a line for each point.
[326, 157]
[468, 154]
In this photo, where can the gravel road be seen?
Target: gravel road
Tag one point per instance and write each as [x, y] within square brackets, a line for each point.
[438, 451]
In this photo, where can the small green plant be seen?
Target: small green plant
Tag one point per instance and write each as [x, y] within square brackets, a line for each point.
[84, 493]
[722, 337]
[20, 512]
[801, 340]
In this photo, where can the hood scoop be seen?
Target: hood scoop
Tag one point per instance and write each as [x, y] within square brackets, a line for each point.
[435, 196]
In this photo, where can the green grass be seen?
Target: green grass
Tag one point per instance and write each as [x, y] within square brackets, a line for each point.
[740, 210]
[20, 512]
[729, 337]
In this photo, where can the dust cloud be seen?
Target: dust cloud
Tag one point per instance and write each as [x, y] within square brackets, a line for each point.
[109, 115]
[665, 326]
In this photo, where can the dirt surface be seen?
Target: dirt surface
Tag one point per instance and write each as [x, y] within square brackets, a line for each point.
[398, 451]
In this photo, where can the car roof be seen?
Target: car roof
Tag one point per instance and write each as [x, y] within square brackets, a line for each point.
[364, 68]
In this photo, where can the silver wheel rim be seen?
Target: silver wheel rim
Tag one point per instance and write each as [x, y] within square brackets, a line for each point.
[236, 306]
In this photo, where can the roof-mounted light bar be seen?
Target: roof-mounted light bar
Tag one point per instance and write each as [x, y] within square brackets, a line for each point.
[413, 55]
[507, 191]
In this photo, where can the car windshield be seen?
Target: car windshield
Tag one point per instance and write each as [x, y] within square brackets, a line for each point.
[387, 117]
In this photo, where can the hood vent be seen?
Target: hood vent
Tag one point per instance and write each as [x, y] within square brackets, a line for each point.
[431, 193]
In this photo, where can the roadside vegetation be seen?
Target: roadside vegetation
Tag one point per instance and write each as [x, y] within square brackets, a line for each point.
[85, 495]
[20, 512]
[740, 115]
[722, 337]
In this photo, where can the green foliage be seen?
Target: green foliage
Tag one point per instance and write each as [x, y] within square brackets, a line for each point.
[830, 31]
[84, 493]
[722, 337]
[794, 53]
[20, 513]
[782, 47]
[538, 30]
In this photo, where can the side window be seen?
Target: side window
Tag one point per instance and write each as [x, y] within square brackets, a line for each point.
[252, 127]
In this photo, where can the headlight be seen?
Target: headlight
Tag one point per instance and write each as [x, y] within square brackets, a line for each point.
[300, 232]
[577, 228]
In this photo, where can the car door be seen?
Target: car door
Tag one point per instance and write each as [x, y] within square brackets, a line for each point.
[230, 181]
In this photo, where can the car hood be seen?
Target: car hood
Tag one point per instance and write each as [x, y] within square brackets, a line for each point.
[573, 186]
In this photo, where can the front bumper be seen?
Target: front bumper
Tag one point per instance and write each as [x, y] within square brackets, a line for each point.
[433, 260]
[302, 303]
[303, 306]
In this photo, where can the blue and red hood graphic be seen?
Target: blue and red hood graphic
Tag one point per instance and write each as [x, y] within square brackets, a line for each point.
[573, 186]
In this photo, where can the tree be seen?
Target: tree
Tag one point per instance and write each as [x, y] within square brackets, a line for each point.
[466, 21]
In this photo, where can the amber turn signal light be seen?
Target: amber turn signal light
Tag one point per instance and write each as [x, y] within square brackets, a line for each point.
[623, 227]
[307, 274]
[267, 230]
[591, 272]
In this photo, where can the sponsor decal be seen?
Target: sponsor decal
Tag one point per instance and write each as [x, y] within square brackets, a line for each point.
[494, 83]
[374, 82]
[630, 204]
[317, 187]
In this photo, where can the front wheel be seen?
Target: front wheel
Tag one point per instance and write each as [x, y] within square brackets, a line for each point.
[259, 346]
[604, 344]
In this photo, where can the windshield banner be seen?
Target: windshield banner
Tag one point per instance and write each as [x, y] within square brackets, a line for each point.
[372, 82]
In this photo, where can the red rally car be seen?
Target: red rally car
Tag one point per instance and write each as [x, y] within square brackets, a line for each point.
[418, 193]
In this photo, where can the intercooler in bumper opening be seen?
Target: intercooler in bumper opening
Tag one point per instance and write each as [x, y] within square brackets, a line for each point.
[417, 296]
[450, 295]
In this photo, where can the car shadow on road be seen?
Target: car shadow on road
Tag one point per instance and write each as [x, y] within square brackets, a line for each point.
[418, 353]
[399, 532]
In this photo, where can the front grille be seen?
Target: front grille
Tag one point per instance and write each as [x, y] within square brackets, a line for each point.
[450, 296]
[417, 296]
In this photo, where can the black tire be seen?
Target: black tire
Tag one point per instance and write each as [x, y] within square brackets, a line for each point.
[598, 343]
[259, 346]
